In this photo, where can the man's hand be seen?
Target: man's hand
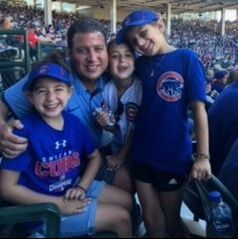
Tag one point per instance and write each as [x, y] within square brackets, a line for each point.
[10, 144]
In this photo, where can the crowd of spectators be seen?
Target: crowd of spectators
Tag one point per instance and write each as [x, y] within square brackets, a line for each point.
[218, 54]
[204, 37]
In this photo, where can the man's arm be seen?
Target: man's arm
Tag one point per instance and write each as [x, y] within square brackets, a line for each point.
[13, 101]
[10, 144]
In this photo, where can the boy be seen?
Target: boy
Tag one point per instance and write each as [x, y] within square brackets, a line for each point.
[122, 97]
[50, 169]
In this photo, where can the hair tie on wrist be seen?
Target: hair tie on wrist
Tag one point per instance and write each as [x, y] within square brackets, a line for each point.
[85, 190]
[201, 156]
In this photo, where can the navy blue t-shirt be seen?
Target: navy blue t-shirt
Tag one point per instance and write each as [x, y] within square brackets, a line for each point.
[170, 82]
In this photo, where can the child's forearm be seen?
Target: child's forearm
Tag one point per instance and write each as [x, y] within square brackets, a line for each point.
[21, 195]
[91, 170]
[201, 132]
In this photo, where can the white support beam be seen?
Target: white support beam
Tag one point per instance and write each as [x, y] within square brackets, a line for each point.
[168, 18]
[223, 25]
[113, 17]
[48, 12]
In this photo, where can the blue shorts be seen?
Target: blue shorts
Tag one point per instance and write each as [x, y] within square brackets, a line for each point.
[82, 224]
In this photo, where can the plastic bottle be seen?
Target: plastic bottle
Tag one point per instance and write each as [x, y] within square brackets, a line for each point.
[220, 223]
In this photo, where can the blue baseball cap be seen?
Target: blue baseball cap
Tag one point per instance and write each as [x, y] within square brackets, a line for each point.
[53, 71]
[135, 19]
[220, 74]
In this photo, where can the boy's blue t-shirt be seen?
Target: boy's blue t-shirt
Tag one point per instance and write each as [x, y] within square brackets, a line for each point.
[52, 162]
[170, 82]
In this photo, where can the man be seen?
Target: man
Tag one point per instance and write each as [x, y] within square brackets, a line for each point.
[89, 59]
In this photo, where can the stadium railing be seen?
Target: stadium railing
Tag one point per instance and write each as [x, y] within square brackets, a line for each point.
[14, 57]
[12, 219]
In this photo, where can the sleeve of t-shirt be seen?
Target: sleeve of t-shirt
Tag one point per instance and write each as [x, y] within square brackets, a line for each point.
[15, 99]
[195, 82]
[21, 162]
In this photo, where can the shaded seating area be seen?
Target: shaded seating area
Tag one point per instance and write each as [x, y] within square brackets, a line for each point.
[196, 198]
[14, 57]
[13, 217]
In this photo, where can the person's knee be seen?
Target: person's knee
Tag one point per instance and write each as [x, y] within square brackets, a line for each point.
[128, 201]
[117, 196]
[125, 199]
[122, 219]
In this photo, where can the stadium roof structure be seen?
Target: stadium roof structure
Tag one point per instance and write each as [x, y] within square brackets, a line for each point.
[177, 6]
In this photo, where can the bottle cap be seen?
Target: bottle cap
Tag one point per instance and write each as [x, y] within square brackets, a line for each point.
[215, 196]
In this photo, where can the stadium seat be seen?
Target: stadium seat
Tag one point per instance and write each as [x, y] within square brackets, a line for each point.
[13, 217]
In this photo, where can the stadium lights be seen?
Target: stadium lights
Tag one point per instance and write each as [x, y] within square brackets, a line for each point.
[83, 7]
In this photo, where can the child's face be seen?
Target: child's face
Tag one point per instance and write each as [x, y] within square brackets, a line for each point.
[49, 97]
[121, 61]
[146, 40]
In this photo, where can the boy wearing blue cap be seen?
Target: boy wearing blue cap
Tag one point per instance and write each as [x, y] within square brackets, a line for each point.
[51, 169]
[172, 81]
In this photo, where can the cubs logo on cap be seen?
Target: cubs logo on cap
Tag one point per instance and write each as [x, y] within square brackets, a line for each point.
[50, 70]
[135, 19]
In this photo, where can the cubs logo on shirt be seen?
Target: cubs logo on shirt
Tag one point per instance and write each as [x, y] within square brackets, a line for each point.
[169, 86]
[131, 111]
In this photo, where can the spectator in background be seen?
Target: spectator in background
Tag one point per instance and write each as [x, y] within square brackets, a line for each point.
[6, 23]
[32, 40]
[219, 81]
[209, 99]
[223, 125]
[232, 77]
[42, 37]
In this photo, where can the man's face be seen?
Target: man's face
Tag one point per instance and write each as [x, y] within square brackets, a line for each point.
[89, 55]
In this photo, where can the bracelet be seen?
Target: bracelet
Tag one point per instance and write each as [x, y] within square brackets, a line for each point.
[201, 156]
[85, 190]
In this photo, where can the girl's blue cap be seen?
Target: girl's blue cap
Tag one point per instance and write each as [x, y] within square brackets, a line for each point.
[135, 19]
[53, 71]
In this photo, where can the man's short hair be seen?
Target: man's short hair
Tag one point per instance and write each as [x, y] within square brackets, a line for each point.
[86, 25]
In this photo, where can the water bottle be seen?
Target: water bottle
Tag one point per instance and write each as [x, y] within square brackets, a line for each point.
[219, 223]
